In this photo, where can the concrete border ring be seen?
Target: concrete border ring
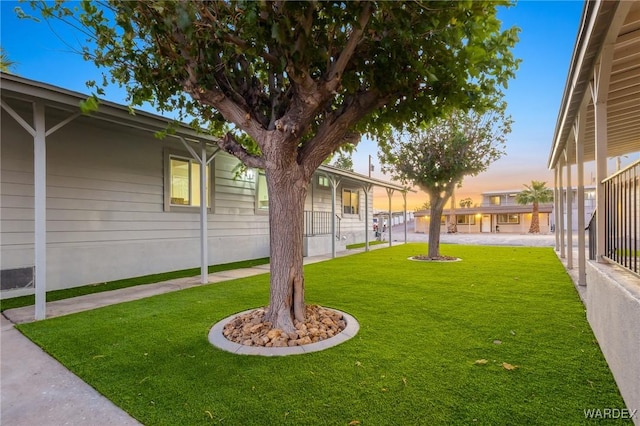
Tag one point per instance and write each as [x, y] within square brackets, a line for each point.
[217, 339]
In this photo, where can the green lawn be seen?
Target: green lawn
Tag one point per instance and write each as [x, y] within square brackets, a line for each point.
[423, 327]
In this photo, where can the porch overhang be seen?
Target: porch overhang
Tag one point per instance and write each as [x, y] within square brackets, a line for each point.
[604, 24]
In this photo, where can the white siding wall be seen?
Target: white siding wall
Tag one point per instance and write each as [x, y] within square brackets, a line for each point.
[105, 207]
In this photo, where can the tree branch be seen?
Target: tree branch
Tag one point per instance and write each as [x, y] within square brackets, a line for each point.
[229, 144]
[334, 74]
[334, 130]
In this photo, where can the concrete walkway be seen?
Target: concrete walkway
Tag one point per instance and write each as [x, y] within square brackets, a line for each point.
[35, 389]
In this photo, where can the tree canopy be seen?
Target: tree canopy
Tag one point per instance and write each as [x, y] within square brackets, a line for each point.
[438, 157]
[312, 70]
[287, 83]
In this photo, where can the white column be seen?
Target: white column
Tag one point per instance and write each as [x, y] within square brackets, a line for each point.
[569, 203]
[580, 124]
[404, 212]
[561, 198]
[367, 188]
[600, 91]
[556, 206]
[40, 209]
[204, 231]
[389, 194]
[334, 183]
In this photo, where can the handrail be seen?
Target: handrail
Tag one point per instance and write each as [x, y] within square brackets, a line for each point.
[319, 223]
[622, 218]
[619, 172]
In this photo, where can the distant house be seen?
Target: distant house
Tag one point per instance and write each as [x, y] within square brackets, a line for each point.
[498, 212]
[88, 199]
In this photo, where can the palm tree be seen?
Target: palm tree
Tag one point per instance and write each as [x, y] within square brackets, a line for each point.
[536, 193]
[5, 63]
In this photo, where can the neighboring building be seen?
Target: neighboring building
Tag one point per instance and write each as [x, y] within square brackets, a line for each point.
[498, 212]
[599, 118]
[121, 203]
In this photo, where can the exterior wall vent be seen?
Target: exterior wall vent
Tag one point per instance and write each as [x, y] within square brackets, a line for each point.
[11, 279]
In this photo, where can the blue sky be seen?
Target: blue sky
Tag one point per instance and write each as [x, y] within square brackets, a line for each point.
[547, 37]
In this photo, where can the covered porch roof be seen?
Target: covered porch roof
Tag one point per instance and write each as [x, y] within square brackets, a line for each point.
[613, 25]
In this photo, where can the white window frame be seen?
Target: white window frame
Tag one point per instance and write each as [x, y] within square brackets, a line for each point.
[185, 156]
[351, 191]
[466, 219]
[320, 182]
[508, 221]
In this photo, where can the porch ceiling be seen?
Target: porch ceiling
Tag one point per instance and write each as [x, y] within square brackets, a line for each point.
[599, 22]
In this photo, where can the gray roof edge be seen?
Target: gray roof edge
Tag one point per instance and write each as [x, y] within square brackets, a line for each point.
[121, 113]
[362, 178]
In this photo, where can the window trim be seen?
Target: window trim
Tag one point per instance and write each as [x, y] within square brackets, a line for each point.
[184, 155]
[499, 222]
[320, 185]
[467, 222]
[351, 191]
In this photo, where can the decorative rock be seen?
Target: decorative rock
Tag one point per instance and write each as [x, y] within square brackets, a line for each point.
[250, 329]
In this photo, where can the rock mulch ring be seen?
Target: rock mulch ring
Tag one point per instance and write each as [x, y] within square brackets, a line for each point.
[251, 329]
[426, 258]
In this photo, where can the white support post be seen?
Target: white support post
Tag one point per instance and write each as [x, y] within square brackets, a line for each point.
[556, 206]
[390, 193]
[602, 78]
[367, 189]
[404, 212]
[561, 198]
[39, 133]
[40, 209]
[334, 184]
[582, 263]
[203, 161]
[204, 231]
[569, 201]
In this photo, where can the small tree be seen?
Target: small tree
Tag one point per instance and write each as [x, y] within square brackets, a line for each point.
[343, 161]
[437, 158]
[298, 81]
[535, 194]
[465, 203]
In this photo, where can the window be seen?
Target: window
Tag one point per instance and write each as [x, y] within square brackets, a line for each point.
[262, 193]
[184, 182]
[465, 219]
[494, 200]
[442, 220]
[323, 182]
[350, 199]
[508, 218]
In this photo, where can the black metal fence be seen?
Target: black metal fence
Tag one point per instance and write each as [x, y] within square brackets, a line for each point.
[319, 223]
[592, 237]
[622, 220]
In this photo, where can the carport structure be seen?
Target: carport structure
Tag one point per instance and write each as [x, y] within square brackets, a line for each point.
[599, 118]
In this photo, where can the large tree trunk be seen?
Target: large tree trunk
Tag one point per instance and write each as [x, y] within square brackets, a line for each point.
[535, 220]
[437, 205]
[287, 193]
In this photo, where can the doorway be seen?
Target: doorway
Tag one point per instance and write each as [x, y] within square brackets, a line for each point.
[485, 224]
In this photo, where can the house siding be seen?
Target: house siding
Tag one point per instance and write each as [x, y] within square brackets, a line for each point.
[105, 206]
[108, 215]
